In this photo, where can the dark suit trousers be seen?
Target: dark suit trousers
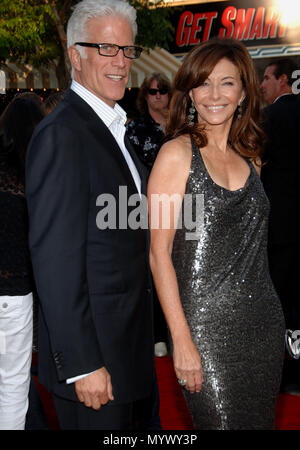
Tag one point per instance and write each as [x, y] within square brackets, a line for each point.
[284, 270]
[76, 416]
[140, 415]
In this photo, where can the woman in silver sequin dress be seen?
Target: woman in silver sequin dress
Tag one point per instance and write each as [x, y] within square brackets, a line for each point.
[213, 282]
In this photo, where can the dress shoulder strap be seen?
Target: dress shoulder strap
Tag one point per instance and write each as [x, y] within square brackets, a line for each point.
[194, 145]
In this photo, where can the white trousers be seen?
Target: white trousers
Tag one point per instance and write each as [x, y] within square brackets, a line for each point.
[15, 359]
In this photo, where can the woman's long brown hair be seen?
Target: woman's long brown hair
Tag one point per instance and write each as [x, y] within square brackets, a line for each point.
[246, 136]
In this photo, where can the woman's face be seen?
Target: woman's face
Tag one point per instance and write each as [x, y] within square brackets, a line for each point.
[217, 98]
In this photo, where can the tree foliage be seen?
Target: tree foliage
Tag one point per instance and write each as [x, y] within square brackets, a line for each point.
[154, 27]
[33, 31]
[22, 28]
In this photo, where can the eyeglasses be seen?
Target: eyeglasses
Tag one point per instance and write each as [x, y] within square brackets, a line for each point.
[110, 50]
[162, 91]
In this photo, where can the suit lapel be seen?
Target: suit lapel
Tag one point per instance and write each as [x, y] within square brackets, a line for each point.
[113, 147]
[99, 130]
[105, 137]
[139, 166]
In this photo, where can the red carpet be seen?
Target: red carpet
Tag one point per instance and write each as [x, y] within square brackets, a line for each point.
[173, 410]
[174, 413]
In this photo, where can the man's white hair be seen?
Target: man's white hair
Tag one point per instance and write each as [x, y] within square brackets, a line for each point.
[91, 9]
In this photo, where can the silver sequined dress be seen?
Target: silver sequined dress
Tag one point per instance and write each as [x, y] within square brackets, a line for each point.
[230, 303]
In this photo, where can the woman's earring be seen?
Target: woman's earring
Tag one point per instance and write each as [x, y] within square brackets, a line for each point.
[191, 114]
[239, 112]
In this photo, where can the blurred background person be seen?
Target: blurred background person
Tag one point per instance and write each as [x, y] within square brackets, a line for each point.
[52, 101]
[146, 134]
[281, 182]
[16, 281]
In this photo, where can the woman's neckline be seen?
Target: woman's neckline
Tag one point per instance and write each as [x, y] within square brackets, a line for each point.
[240, 189]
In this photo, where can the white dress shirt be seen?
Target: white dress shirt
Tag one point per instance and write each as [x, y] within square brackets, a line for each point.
[114, 119]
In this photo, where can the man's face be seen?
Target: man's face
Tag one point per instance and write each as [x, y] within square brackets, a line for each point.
[270, 86]
[106, 77]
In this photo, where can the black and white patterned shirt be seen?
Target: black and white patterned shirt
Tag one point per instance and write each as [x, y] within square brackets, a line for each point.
[146, 137]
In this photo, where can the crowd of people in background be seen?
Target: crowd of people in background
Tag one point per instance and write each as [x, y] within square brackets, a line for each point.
[224, 306]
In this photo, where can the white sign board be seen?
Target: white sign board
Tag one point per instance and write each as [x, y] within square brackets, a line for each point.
[2, 82]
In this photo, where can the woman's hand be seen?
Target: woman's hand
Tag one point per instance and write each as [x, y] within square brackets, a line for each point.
[187, 365]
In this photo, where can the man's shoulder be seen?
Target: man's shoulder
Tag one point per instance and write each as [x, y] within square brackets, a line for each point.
[70, 112]
[284, 108]
[285, 102]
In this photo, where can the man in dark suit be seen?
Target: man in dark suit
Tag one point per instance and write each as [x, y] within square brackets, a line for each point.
[92, 275]
[281, 182]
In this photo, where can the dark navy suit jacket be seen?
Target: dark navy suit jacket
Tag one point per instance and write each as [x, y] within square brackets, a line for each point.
[94, 285]
[280, 175]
